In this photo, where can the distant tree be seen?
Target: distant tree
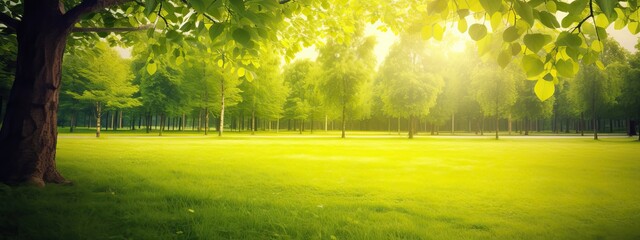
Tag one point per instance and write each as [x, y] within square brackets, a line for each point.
[528, 106]
[597, 87]
[407, 89]
[495, 90]
[629, 98]
[264, 95]
[107, 79]
[297, 76]
[347, 71]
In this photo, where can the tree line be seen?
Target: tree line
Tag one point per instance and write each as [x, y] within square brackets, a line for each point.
[418, 87]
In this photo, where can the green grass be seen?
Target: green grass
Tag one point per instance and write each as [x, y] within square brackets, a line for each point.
[242, 187]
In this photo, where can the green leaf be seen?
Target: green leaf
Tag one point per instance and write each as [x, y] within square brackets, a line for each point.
[565, 68]
[241, 72]
[551, 6]
[242, 36]
[532, 66]
[524, 11]
[536, 41]
[504, 58]
[496, 20]
[149, 6]
[462, 25]
[491, 6]
[179, 60]
[220, 63]
[568, 39]
[600, 65]
[510, 34]
[607, 7]
[438, 32]
[437, 6]
[477, 31]
[548, 20]
[515, 48]
[602, 21]
[151, 68]
[216, 30]
[596, 46]
[633, 27]
[544, 89]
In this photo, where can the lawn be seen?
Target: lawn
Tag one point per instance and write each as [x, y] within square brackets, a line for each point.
[274, 187]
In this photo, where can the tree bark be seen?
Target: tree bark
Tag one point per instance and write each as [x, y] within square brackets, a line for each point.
[29, 133]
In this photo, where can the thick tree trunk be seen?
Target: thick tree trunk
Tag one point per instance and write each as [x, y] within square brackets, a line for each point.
[29, 132]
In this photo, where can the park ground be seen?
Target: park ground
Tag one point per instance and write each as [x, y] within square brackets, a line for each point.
[288, 186]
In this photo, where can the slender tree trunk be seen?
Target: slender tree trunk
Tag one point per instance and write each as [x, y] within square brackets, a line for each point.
[497, 126]
[482, 126]
[98, 118]
[161, 124]
[581, 124]
[326, 122]
[253, 121]
[526, 126]
[453, 123]
[398, 125]
[410, 122]
[221, 126]
[206, 121]
[113, 119]
[344, 120]
[72, 123]
[277, 125]
[120, 119]
[509, 124]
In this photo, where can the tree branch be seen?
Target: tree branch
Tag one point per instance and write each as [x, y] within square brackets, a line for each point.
[88, 6]
[115, 29]
[9, 21]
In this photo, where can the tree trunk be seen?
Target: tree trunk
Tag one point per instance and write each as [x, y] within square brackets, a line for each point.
[497, 126]
[509, 124]
[410, 122]
[29, 132]
[581, 124]
[453, 123]
[326, 122]
[278, 125]
[344, 120]
[253, 121]
[98, 118]
[206, 121]
[221, 126]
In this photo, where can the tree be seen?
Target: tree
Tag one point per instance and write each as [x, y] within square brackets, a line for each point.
[495, 90]
[407, 89]
[629, 92]
[107, 81]
[527, 106]
[265, 94]
[597, 87]
[297, 76]
[348, 76]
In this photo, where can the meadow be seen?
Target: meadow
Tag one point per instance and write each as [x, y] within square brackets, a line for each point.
[321, 187]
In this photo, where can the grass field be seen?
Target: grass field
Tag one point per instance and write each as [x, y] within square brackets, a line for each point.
[242, 187]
